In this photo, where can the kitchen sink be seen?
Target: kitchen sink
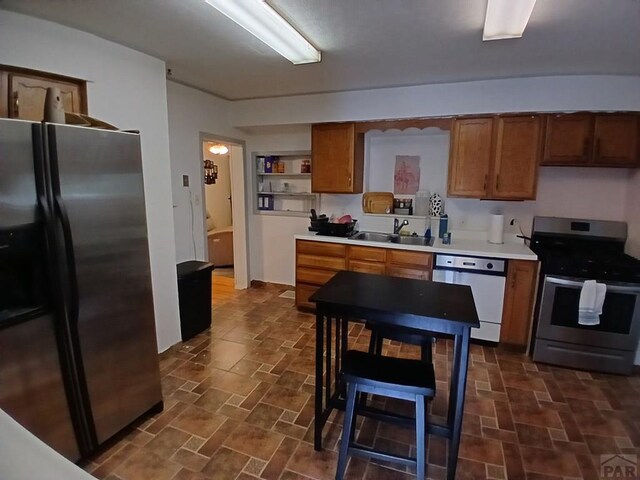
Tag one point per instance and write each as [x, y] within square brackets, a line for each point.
[404, 240]
[389, 238]
[372, 237]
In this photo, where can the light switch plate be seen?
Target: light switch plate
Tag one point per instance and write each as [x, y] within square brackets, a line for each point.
[185, 180]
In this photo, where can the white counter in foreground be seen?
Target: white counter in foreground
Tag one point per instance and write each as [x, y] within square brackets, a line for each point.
[515, 250]
[24, 457]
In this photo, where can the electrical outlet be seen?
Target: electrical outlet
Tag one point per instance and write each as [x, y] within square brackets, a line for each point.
[185, 180]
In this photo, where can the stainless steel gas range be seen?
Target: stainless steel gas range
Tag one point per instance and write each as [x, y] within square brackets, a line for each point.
[572, 251]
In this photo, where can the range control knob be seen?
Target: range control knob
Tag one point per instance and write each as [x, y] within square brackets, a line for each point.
[489, 266]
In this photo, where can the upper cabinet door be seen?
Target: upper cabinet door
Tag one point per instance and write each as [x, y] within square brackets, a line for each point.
[470, 157]
[517, 153]
[337, 158]
[28, 95]
[567, 139]
[616, 140]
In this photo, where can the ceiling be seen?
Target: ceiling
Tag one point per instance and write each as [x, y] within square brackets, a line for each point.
[364, 43]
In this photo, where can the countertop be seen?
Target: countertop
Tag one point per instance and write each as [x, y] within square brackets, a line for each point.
[24, 456]
[459, 246]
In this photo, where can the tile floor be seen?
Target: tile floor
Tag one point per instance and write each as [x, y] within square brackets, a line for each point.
[239, 405]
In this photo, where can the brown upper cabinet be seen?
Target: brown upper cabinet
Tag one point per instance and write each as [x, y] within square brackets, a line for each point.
[23, 92]
[495, 157]
[592, 139]
[615, 140]
[470, 158]
[337, 157]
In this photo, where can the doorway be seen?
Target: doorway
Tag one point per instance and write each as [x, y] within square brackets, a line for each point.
[224, 213]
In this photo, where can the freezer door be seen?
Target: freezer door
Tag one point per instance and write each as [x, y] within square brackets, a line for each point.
[18, 199]
[99, 197]
[31, 383]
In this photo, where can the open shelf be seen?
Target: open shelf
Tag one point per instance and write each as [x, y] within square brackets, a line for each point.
[290, 193]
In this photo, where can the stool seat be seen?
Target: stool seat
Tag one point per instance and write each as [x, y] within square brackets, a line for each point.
[402, 378]
[404, 374]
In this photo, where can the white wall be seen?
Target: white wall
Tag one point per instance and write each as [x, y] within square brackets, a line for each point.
[128, 89]
[509, 95]
[190, 113]
[217, 194]
[272, 247]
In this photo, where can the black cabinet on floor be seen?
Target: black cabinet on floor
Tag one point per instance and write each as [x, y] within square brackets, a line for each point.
[194, 293]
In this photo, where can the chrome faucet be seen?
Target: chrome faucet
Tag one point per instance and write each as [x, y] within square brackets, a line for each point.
[397, 226]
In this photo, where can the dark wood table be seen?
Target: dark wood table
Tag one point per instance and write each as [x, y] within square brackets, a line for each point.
[417, 304]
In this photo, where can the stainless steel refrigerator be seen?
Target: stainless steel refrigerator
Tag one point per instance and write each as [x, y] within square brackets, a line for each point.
[78, 352]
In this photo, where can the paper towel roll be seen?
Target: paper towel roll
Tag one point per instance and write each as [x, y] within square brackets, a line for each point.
[496, 228]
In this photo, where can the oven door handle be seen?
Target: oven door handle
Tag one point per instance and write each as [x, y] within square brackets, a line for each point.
[578, 284]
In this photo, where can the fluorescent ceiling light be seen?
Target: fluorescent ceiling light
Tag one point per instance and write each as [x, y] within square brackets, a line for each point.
[259, 19]
[506, 18]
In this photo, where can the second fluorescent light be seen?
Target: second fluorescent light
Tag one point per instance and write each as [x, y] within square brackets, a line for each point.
[262, 21]
[506, 18]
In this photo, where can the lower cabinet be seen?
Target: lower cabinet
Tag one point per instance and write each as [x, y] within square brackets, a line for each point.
[519, 299]
[318, 262]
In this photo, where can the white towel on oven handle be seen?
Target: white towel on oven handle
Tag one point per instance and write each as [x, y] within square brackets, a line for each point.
[592, 298]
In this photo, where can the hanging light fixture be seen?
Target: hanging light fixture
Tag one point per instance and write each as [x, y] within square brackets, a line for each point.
[218, 149]
[210, 172]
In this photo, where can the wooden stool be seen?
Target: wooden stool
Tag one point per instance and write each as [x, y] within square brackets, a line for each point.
[400, 378]
[381, 331]
[404, 335]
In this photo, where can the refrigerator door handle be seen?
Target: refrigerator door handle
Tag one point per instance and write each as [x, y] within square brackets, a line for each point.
[71, 262]
[63, 218]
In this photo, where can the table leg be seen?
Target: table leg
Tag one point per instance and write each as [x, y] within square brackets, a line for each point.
[328, 340]
[345, 345]
[318, 423]
[456, 398]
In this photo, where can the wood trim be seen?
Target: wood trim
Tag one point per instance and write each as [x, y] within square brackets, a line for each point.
[443, 123]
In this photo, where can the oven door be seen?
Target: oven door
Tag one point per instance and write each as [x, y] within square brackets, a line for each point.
[619, 326]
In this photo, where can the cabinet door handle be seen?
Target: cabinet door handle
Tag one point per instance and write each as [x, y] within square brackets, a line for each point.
[16, 104]
[497, 182]
[349, 180]
[597, 148]
[486, 177]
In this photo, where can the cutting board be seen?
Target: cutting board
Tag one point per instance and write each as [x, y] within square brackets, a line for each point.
[377, 202]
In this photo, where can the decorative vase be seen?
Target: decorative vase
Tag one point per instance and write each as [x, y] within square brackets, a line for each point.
[436, 205]
[53, 107]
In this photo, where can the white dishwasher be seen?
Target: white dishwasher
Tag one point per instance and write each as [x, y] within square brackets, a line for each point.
[486, 277]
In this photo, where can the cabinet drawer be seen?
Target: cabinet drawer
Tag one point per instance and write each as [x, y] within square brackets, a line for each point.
[313, 276]
[366, 267]
[317, 261]
[368, 254]
[303, 292]
[321, 248]
[402, 257]
[404, 272]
